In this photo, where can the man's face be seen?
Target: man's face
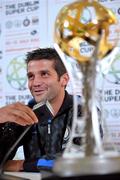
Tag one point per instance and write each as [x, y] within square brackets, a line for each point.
[44, 82]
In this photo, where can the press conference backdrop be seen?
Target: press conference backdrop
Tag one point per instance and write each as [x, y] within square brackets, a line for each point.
[29, 24]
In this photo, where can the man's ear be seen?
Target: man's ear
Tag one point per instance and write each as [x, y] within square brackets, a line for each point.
[64, 79]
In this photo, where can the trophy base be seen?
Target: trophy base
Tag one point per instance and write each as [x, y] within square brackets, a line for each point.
[86, 166]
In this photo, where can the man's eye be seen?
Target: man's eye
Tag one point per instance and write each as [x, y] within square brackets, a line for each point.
[44, 74]
[30, 76]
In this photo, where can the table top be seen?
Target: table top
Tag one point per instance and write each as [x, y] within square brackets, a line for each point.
[29, 175]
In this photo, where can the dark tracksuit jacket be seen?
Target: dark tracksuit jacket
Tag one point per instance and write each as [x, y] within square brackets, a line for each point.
[38, 142]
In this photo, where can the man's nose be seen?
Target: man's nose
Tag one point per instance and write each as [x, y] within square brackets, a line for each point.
[37, 80]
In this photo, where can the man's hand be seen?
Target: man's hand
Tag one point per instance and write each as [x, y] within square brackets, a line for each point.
[17, 113]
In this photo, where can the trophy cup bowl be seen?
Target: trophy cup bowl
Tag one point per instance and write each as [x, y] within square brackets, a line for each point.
[86, 22]
[72, 29]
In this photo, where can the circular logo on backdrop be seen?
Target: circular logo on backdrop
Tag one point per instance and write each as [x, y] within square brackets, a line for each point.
[113, 75]
[16, 73]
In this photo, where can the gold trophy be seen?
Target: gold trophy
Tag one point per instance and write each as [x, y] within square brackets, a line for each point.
[85, 22]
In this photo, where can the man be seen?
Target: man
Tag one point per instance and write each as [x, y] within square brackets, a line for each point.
[47, 80]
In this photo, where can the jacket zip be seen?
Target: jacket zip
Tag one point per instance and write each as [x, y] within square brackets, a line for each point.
[49, 135]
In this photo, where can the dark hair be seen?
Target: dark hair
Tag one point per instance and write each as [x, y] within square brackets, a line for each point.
[48, 54]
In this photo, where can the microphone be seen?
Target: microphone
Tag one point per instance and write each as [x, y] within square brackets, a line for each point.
[10, 177]
[43, 110]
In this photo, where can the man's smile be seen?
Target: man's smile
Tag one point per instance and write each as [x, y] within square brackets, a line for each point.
[39, 91]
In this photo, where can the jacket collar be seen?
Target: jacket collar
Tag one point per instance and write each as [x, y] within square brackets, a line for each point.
[67, 103]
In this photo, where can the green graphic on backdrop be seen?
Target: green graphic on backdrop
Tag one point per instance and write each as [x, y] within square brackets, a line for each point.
[113, 75]
[16, 73]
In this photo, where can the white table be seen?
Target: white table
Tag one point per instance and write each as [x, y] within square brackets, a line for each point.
[29, 175]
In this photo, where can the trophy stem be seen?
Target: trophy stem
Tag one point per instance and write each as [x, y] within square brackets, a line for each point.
[93, 137]
[85, 68]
